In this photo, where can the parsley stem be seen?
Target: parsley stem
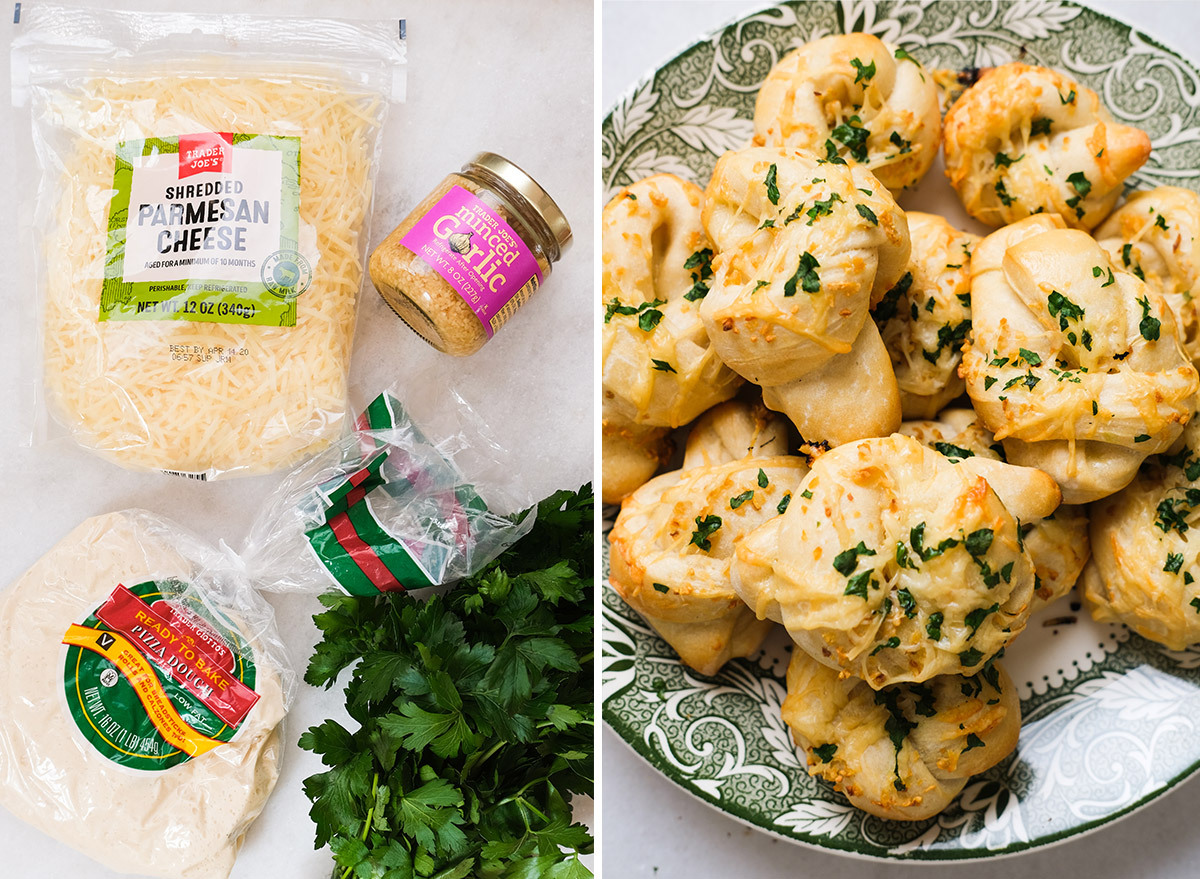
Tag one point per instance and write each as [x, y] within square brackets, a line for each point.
[478, 758]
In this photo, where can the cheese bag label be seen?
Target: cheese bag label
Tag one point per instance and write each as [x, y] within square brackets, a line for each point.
[205, 227]
[152, 682]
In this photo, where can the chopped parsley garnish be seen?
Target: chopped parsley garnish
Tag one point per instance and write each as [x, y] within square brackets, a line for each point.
[701, 263]
[772, 184]
[889, 644]
[1030, 357]
[737, 501]
[705, 528]
[905, 146]
[1028, 379]
[1082, 186]
[1171, 513]
[975, 618]
[806, 494]
[951, 336]
[897, 726]
[831, 153]
[854, 136]
[933, 627]
[953, 452]
[659, 587]
[970, 658]
[1002, 193]
[1141, 438]
[902, 55]
[825, 753]
[1149, 325]
[758, 285]
[631, 196]
[865, 71]
[887, 307]
[649, 319]
[907, 603]
[1161, 222]
[821, 208]
[974, 741]
[978, 542]
[1069, 99]
[805, 275]
[988, 381]
[1195, 602]
[847, 560]
[794, 215]
[867, 214]
[662, 366]
[1003, 161]
[1174, 562]
[763, 482]
[857, 585]
[1039, 126]
[1063, 308]
[783, 503]
[767, 224]
[615, 307]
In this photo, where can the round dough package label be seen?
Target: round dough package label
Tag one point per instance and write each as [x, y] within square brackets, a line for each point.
[478, 254]
[206, 227]
[152, 679]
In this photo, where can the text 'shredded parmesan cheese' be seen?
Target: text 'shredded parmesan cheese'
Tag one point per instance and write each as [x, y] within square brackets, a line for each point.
[203, 254]
[141, 689]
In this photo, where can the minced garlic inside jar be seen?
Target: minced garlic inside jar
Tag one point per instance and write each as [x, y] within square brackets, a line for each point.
[469, 255]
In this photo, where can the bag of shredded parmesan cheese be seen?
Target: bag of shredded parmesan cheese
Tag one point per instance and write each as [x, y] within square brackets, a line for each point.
[201, 222]
[419, 496]
[142, 691]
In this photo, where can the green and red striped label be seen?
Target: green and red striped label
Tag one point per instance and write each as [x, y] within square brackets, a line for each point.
[352, 544]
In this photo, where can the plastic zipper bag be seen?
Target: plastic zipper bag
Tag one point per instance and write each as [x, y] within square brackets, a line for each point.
[202, 213]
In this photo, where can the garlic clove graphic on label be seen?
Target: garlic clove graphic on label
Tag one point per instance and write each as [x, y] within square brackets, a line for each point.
[460, 242]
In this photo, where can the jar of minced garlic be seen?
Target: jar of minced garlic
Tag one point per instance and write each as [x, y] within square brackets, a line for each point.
[470, 254]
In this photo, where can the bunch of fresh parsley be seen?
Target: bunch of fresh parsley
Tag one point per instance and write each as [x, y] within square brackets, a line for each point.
[475, 713]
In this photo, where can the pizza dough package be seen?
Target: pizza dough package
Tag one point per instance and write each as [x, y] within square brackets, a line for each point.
[142, 691]
[420, 495]
[202, 215]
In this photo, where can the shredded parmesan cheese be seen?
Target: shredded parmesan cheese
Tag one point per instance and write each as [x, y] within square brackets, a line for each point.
[206, 398]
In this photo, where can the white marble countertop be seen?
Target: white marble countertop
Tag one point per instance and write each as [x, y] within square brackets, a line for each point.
[651, 828]
[513, 78]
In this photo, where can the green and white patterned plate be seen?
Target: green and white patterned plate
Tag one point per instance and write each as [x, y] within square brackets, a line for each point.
[1111, 720]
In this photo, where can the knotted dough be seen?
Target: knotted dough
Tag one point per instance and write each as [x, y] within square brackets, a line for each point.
[1074, 363]
[1026, 139]
[892, 564]
[926, 316]
[803, 248]
[1153, 235]
[906, 751]
[1145, 566]
[1058, 544]
[673, 543]
[854, 97]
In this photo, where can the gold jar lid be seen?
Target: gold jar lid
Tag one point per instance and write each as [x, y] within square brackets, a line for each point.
[528, 189]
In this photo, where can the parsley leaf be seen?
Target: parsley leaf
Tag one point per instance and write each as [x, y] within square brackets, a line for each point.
[662, 365]
[1150, 325]
[772, 184]
[867, 214]
[805, 275]
[474, 716]
[825, 753]
[847, 560]
[854, 136]
[865, 71]
[1039, 126]
[705, 528]
[738, 500]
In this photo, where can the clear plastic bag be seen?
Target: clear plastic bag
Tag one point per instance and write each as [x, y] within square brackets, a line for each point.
[143, 688]
[421, 495]
[202, 215]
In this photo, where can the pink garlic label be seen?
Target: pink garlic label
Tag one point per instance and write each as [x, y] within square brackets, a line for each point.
[478, 254]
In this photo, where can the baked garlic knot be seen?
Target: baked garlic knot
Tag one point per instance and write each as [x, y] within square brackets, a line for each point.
[906, 751]
[1145, 566]
[856, 99]
[673, 543]
[1025, 140]
[659, 368]
[1058, 543]
[734, 430]
[894, 565]
[804, 247]
[632, 453]
[1154, 235]
[925, 318]
[1074, 362]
